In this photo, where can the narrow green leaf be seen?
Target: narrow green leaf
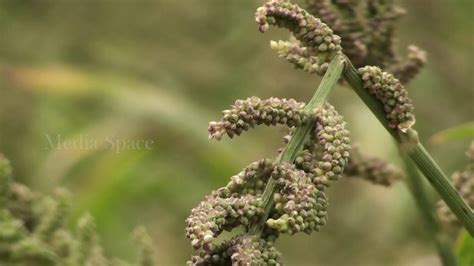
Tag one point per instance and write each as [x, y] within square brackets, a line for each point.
[458, 132]
[465, 249]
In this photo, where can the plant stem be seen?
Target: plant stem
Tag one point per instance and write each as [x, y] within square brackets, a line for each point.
[415, 184]
[295, 145]
[417, 153]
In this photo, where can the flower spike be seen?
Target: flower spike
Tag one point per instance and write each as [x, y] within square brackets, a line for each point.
[245, 114]
[392, 94]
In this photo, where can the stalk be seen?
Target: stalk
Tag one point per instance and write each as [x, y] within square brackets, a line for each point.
[417, 153]
[295, 145]
[415, 184]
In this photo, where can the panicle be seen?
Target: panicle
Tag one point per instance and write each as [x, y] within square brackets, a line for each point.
[146, 256]
[62, 243]
[333, 146]
[33, 230]
[367, 31]
[381, 18]
[87, 250]
[251, 180]
[392, 94]
[55, 213]
[351, 30]
[22, 204]
[372, 169]
[31, 251]
[310, 31]
[12, 231]
[215, 214]
[250, 250]
[5, 180]
[300, 56]
[324, 10]
[240, 250]
[405, 71]
[299, 205]
[245, 114]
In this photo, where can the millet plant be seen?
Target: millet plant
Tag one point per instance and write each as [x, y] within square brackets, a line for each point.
[33, 230]
[344, 41]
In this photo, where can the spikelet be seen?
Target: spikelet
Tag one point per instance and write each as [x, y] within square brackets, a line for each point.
[87, 250]
[145, 244]
[240, 250]
[381, 16]
[55, 213]
[33, 231]
[392, 94]
[12, 231]
[372, 169]
[245, 114]
[215, 214]
[299, 56]
[62, 243]
[332, 146]
[310, 31]
[21, 204]
[5, 180]
[251, 180]
[351, 31]
[368, 38]
[324, 10]
[327, 152]
[407, 70]
[299, 205]
[31, 251]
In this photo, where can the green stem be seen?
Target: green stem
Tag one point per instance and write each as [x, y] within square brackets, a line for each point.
[417, 153]
[296, 143]
[415, 184]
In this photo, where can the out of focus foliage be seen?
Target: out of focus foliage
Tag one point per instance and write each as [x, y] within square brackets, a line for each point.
[159, 71]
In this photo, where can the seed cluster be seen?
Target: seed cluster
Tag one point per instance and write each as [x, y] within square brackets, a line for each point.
[343, 18]
[215, 214]
[372, 169]
[392, 94]
[251, 180]
[33, 230]
[299, 205]
[245, 114]
[324, 10]
[367, 30]
[300, 56]
[382, 16]
[352, 30]
[310, 31]
[240, 250]
[408, 69]
[332, 146]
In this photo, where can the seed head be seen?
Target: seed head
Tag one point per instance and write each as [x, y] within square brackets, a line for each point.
[372, 169]
[215, 214]
[331, 146]
[240, 250]
[392, 94]
[405, 71]
[245, 114]
[310, 31]
[251, 180]
[145, 244]
[299, 204]
[300, 56]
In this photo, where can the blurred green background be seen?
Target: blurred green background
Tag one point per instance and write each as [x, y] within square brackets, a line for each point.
[159, 71]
